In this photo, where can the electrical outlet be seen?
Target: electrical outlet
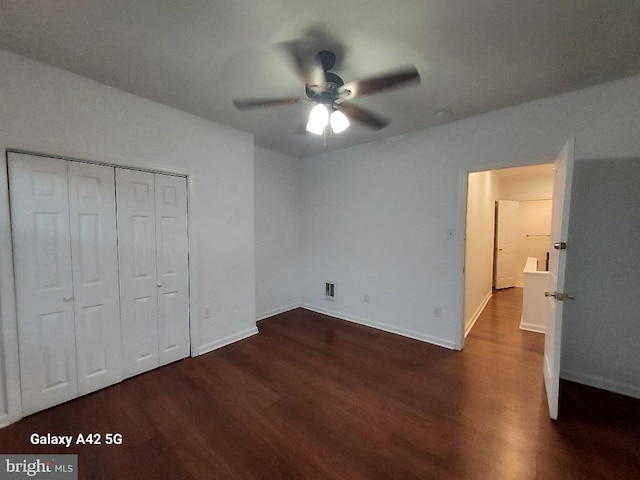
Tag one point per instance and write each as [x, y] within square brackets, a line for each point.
[206, 311]
[437, 312]
[367, 297]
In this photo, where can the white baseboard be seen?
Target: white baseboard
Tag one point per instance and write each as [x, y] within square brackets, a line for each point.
[277, 311]
[383, 326]
[477, 313]
[6, 420]
[223, 342]
[602, 383]
[530, 327]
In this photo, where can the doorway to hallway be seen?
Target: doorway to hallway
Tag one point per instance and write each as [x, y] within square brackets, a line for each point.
[531, 189]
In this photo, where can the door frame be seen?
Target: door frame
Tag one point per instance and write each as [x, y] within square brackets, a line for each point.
[462, 222]
[11, 411]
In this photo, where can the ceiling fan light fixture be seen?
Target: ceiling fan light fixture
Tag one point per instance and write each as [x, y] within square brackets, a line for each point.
[318, 119]
[339, 121]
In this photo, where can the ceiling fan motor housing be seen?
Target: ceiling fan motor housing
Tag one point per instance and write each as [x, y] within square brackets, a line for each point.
[328, 94]
[327, 59]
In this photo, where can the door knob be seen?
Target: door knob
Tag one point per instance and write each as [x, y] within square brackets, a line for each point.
[159, 285]
[559, 296]
[68, 298]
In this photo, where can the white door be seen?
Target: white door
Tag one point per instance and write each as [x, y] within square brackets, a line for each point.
[506, 242]
[557, 260]
[92, 205]
[172, 272]
[44, 288]
[136, 220]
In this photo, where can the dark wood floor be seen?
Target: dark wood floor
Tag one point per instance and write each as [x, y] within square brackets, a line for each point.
[316, 397]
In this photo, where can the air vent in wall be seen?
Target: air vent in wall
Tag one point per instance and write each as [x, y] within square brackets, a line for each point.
[330, 291]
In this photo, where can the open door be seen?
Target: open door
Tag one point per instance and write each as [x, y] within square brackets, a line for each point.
[557, 260]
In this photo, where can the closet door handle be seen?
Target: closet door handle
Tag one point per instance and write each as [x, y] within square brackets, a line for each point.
[159, 285]
[68, 298]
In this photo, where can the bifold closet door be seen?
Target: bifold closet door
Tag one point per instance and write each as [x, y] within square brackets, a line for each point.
[65, 256]
[152, 246]
[43, 276]
[92, 207]
[135, 193]
[172, 267]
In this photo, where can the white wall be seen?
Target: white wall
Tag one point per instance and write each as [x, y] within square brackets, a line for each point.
[365, 218]
[526, 187]
[478, 280]
[601, 326]
[43, 109]
[534, 228]
[277, 232]
[377, 217]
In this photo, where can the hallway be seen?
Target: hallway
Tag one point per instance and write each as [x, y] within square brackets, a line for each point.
[597, 434]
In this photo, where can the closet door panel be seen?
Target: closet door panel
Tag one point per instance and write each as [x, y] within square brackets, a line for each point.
[95, 275]
[172, 267]
[137, 260]
[44, 287]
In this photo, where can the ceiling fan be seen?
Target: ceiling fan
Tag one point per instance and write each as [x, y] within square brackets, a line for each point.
[330, 94]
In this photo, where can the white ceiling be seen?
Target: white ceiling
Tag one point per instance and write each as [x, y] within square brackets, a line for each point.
[474, 56]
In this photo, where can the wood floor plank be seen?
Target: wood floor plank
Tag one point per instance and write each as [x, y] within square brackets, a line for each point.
[316, 397]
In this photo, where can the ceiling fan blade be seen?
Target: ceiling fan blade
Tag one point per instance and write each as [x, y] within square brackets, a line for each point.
[306, 64]
[379, 83]
[359, 114]
[249, 103]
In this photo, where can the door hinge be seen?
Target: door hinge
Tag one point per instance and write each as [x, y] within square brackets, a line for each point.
[559, 296]
[560, 245]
